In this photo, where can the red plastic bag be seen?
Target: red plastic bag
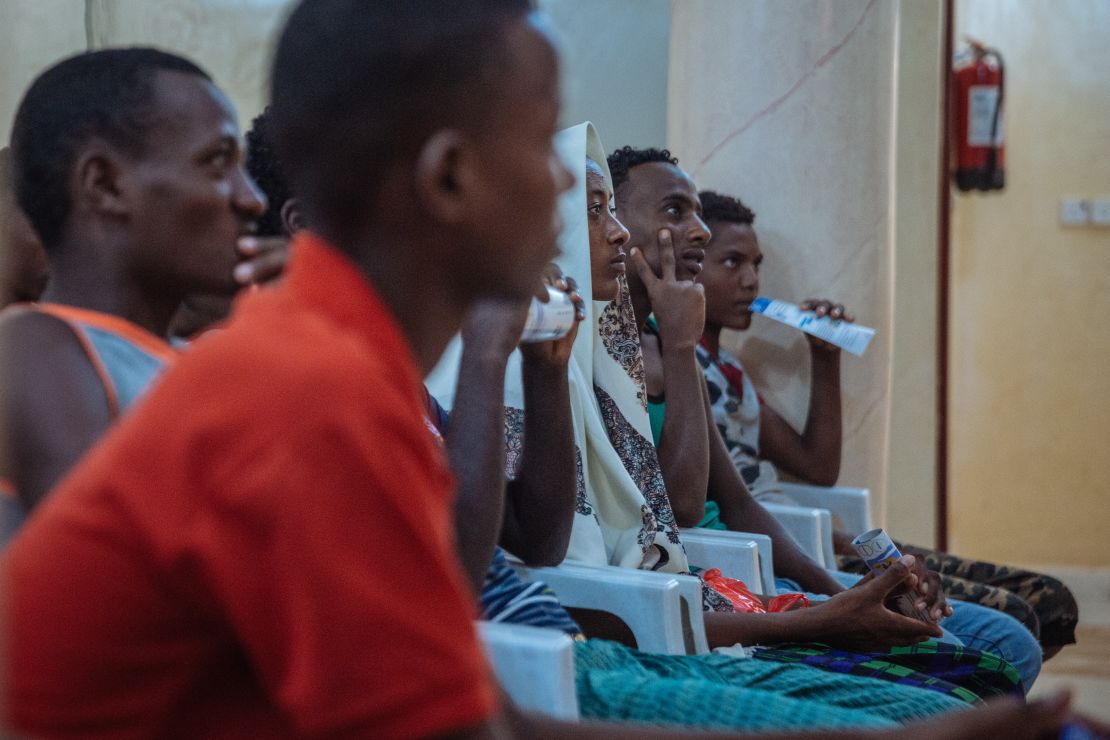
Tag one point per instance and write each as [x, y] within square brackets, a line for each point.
[735, 591]
[743, 600]
[788, 602]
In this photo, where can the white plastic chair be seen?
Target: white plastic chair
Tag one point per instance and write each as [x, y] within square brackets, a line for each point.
[811, 522]
[535, 666]
[810, 528]
[663, 610]
[656, 606]
[742, 555]
[852, 506]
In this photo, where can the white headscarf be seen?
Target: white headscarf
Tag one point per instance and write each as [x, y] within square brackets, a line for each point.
[623, 516]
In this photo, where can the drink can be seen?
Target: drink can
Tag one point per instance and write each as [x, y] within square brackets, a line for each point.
[879, 552]
[551, 320]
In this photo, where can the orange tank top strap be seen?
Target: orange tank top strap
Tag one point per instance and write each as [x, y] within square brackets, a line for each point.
[126, 357]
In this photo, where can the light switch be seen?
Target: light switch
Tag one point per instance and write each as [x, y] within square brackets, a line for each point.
[1074, 212]
[1100, 211]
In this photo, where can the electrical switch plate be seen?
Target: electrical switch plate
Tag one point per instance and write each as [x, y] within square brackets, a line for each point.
[1100, 211]
[1074, 212]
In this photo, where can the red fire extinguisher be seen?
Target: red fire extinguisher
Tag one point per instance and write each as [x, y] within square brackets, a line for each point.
[978, 91]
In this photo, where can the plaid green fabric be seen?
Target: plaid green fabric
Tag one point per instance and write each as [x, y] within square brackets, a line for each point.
[719, 691]
[952, 670]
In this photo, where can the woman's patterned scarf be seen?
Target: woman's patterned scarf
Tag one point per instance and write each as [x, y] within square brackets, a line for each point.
[618, 387]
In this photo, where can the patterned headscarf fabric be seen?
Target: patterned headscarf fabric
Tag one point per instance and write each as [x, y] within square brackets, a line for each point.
[623, 516]
[618, 386]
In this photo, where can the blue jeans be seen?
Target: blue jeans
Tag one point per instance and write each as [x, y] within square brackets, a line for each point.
[977, 627]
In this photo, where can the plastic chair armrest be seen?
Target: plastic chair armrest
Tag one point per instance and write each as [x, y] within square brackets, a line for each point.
[535, 666]
[649, 603]
[737, 554]
[693, 618]
[810, 528]
[851, 505]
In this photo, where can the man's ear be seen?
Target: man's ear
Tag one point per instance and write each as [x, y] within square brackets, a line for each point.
[292, 219]
[99, 181]
[445, 176]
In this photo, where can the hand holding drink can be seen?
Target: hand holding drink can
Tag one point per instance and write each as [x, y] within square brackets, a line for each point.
[551, 320]
[879, 552]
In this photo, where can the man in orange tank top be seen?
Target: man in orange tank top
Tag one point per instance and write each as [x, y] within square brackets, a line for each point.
[127, 164]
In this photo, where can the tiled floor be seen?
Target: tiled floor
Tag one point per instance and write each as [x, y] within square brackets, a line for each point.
[1085, 666]
[1085, 669]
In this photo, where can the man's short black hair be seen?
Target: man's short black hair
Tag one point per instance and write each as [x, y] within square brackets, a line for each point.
[359, 85]
[718, 207]
[624, 159]
[104, 94]
[265, 170]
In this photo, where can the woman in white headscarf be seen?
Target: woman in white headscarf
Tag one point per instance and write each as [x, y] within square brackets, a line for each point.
[615, 523]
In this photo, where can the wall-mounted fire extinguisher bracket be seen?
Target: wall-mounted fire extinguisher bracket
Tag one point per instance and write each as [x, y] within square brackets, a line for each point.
[978, 83]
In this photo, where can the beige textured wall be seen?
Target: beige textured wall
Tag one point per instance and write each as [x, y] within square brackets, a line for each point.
[1030, 395]
[615, 66]
[34, 34]
[231, 39]
[911, 475]
[820, 115]
[615, 60]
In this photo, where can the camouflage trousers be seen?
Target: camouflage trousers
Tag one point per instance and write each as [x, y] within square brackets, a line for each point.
[1040, 602]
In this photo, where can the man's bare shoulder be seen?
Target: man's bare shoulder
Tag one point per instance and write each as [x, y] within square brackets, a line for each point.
[41, 358]
[53, 405]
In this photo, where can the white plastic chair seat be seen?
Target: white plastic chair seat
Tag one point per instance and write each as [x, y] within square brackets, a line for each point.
[535, 666]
